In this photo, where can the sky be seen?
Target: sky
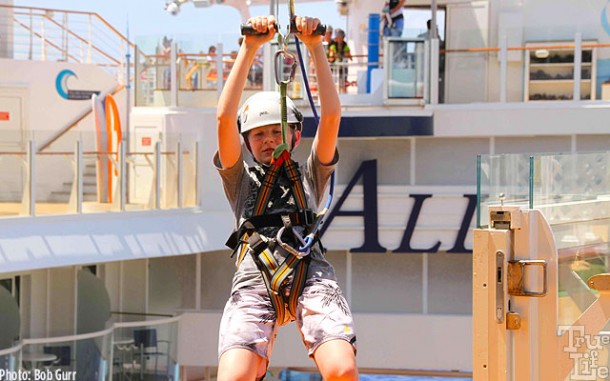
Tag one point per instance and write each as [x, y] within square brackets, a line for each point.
[197, 27]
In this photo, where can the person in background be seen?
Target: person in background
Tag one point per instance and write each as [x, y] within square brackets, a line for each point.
[328, 39]
[339, 54]
[428, 33]
[394, 20]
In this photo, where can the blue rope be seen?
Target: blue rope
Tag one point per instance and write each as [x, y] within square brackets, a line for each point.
[309, 240]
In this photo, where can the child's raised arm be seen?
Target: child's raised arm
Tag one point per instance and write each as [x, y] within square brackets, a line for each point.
[229, 144]
[325, 141]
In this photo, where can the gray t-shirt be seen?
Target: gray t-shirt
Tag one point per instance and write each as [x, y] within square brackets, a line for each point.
[241, 184]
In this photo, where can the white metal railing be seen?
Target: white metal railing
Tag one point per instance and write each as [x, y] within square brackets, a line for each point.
[45, 34]
[440, 74]
[74, 181]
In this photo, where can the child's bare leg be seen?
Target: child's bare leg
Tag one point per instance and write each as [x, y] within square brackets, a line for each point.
[336, 361]
[241, 365]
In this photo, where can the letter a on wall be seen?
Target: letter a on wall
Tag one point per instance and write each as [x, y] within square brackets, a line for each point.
[368, 172]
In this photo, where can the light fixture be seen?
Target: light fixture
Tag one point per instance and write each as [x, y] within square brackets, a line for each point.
[173, 7]
[541, 53]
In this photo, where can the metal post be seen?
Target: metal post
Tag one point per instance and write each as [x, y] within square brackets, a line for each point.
[43, 42]
[434, 53]
[30, 198]
[127, 90]
[158, 175]
[503, 66]
[79, 177]
[427, 59]
[219, 70]
[123, 174]
[196, 160]
[179, 174]
[173, 81]
[577, 65]
[433, 27]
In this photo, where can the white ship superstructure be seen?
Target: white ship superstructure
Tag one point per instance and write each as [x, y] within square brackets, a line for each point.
[113, 224]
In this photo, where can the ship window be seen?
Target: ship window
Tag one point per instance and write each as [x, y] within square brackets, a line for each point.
[416, 18]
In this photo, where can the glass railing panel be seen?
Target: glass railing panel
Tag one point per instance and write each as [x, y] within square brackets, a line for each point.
[13, 173]
[501, 179]
[464, 65]
[405, 74]
[10, 359]
[146, 349]
[100, 180]
[89, 356]
[572, 187]
[583, 251]
[53, 196]
[169, 176]
[141, 179]
[189, 174]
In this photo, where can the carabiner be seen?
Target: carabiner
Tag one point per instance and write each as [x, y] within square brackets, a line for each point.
[288, 248]
[281, 57]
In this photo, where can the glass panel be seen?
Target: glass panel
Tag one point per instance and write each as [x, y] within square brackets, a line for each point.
[406, 71]
[169, 176]
[189, 175]
[146, 351]
[501, 178]
[87, 357]
[10, 362]
[14, 172]
[53, 196]
[570, 188]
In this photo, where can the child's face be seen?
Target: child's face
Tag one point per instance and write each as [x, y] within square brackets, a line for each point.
[263, 141]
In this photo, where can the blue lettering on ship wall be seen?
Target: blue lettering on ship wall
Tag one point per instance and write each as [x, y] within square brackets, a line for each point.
[368, 172]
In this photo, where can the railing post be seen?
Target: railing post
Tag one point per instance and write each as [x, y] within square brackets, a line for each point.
[179, 174]
[43, 42]
[219, 70]
[158, 175]
[90, 39]
[31, 52]
[28, 203]
[173, 82]
[196, 161]
[123, 174]
[434, 59]
[427, 76]
[78, 159]
[503, 66]
[577, 66]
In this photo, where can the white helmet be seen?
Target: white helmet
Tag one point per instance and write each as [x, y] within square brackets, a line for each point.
[263, 109]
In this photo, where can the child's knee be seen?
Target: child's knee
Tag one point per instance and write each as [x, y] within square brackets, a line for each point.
[341, 371]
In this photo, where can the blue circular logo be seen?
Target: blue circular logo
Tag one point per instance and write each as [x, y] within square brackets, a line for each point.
[61, 82]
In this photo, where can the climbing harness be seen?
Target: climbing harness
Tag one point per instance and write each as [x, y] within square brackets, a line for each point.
[246, 238]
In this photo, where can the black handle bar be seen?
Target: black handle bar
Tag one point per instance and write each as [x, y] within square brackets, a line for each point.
[248, 30]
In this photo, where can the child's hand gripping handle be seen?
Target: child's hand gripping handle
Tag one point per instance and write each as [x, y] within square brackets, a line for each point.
[248, 30]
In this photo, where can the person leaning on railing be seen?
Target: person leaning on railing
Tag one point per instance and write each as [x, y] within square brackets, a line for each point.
[393, 19]
[339, 53]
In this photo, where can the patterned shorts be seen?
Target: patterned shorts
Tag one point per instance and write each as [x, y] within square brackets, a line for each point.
[249, 319]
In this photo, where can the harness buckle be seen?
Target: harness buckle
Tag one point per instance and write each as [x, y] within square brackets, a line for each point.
[286, 220]
[297, 253]
[310, 217]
